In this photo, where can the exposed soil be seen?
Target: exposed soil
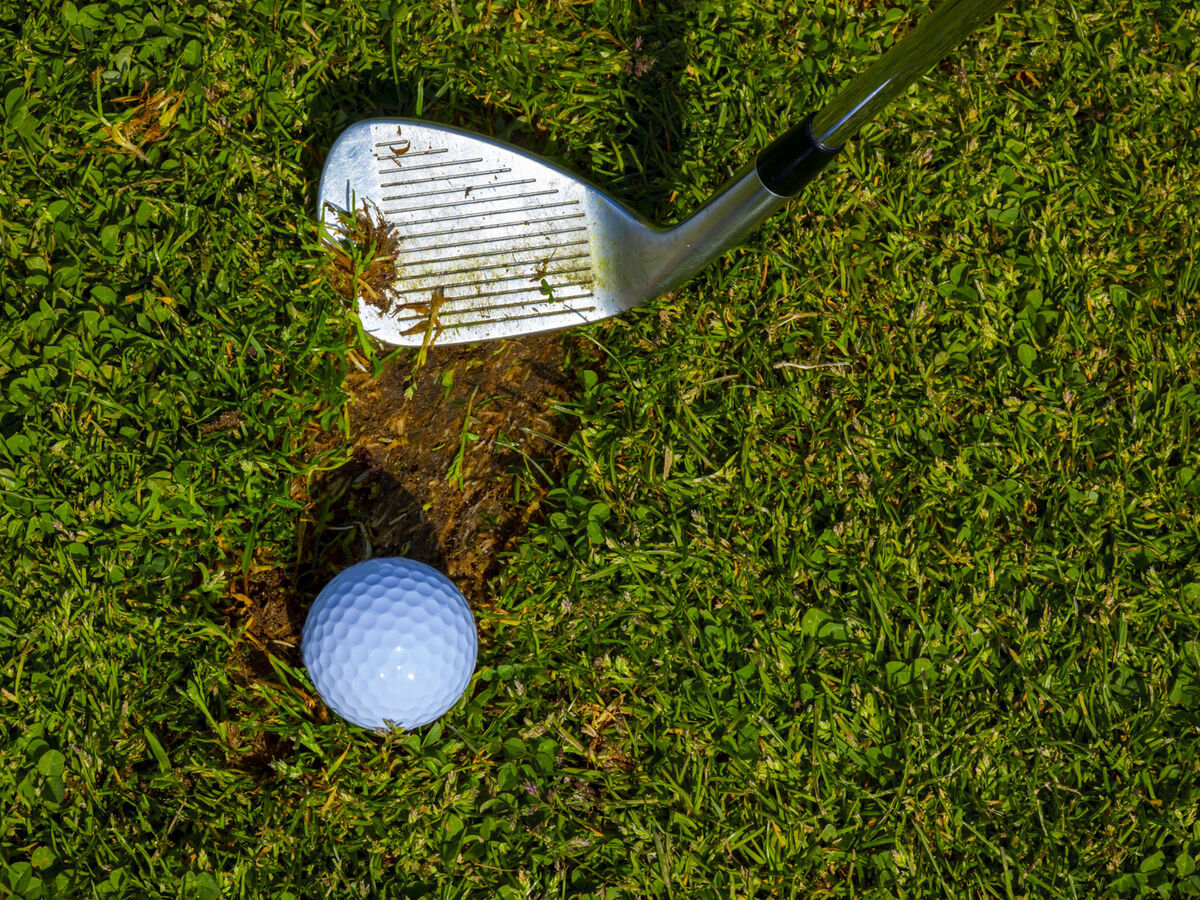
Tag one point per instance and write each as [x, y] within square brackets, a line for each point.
[449, 464]
[436, 454]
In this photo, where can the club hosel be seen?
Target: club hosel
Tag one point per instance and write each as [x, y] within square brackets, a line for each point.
[757, 192]
[735, 210]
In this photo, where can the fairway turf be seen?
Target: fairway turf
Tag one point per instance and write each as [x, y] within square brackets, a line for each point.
[874, 565]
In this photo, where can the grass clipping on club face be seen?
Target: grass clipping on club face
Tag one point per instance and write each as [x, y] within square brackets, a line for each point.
[363, 264]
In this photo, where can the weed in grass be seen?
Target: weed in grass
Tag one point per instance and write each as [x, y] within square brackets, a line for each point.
[152, 117]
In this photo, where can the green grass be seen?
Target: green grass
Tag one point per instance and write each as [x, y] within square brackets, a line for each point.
[876, 567]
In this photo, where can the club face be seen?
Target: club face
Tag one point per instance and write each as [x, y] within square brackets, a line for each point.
[492, 241]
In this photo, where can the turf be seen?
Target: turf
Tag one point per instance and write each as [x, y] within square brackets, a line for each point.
[875, 566]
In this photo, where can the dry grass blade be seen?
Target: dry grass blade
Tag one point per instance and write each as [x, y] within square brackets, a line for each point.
[152, 118]
[432, 326]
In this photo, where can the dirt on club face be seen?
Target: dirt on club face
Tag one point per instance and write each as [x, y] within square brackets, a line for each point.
[364, 263]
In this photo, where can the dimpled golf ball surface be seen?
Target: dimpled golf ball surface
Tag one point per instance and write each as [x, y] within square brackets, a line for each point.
[390, 642]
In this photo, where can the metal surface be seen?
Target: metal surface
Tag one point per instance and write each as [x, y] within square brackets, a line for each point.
[895, 71]
[496, 242]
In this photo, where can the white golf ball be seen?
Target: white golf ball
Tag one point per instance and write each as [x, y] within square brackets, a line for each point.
[390, 642]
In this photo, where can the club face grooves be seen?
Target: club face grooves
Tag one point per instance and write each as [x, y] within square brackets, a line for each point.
[491, 241]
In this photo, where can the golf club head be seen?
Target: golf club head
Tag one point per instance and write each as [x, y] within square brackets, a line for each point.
[495, 242]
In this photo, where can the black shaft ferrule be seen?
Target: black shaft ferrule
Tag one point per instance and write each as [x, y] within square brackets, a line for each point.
[793, 160]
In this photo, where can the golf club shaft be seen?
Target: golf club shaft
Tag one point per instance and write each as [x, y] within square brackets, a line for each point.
[795, 158]
[896, 70]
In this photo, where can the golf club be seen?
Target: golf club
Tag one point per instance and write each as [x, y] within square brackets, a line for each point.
[495, 242]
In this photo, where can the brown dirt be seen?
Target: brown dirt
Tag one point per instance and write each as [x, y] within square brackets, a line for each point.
[436, 458]
[436, 454]
[443, 456]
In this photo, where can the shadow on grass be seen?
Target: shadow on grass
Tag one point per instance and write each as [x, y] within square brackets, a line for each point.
[653, 125]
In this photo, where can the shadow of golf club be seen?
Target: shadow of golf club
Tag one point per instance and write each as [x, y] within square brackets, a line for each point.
[653, 124]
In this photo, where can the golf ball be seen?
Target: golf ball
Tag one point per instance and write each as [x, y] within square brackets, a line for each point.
[390, 642]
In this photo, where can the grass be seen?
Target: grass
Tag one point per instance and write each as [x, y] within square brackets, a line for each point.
[875, 569]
